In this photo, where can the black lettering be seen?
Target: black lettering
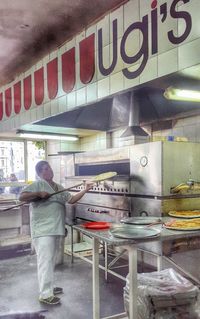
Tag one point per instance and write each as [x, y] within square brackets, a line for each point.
[154, 31]
[180, 15]
[163, 11]
[143, 27]
[102, 69]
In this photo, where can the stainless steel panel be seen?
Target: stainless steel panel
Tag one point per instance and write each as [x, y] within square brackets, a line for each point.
[146, 168]
[180, 162]
[67, 167]
[103, 200]
[97, 213]
[146, 207]
[109, 155]
[156, 167]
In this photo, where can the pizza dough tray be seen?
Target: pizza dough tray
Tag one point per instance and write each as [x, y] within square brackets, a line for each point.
[140, 220]
[133, 231]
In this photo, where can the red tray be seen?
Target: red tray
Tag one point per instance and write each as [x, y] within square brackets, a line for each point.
[97, 225]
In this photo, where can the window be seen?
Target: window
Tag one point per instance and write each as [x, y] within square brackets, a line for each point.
[35, 153]
[16, 168]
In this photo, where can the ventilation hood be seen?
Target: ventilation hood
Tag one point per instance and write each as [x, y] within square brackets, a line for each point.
[131, 110]
[134, 115]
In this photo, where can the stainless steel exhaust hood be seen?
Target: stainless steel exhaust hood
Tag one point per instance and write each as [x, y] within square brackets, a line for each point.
[129, 110]
[134, 127]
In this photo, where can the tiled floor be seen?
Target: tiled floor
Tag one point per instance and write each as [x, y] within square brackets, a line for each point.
[19, 289]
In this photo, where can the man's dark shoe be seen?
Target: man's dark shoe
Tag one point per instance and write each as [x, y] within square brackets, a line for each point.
[50, 300]
[57, 290]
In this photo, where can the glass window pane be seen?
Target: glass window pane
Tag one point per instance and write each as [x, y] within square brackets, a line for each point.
[12, 160]
[36, 153]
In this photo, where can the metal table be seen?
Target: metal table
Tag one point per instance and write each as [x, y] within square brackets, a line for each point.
[131, 246]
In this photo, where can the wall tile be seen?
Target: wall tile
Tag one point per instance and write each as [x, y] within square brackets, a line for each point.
[78, 39]
[145, 6]
[62, 49]
[163, 42]
[188, 54]
[27, 116]
[60, 90]
[178, 132]
[131, 13]
[70, 44]
[104, 24]
[53, 55]
[40, 112]
[92, 29]
[198, 132]
[133, 82]
[81, 96]
[62, 102]
[22, 120]
[193, 7]
[151, 70]
[189, 131]
[71, 100]
[46, 95]
[168, 62]
[91, 92]
[16, 121]
[117, 14]
[59, 59]
[47, 109]
[106, 61]
[120, 63]
[54, 107]
[103, 88]
[132, 46]
[187, 121]
[193, 72]
[38, 65]
[78, 84]
[116, 82]
[46, 59]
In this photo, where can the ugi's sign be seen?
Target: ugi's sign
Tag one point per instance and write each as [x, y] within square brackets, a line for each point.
[147, 28]
[152, 21]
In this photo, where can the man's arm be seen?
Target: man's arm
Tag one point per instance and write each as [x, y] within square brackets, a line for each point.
[75, 198]
[29, 196]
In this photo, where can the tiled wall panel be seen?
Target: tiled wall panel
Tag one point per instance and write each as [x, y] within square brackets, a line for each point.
[180, 56]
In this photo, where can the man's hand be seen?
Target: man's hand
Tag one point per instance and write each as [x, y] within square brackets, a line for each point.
[33, 196]
[88, 185]
[43, 195]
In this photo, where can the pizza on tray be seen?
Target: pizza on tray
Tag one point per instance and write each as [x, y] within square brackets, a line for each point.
[187, 224]
[185, 213]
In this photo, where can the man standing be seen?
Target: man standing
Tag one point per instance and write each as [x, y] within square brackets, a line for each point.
[47, 225]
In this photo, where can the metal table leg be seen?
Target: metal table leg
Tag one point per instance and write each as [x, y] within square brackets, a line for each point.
[95, 281]
[132, 255]
[159, 263]
[72, 245]
[106, 261]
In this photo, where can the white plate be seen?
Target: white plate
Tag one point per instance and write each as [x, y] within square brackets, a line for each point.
[133, 232]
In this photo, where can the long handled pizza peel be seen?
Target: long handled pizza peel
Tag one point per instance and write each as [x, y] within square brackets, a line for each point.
[96, 179]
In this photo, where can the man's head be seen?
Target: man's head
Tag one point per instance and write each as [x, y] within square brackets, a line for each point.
[44, 170]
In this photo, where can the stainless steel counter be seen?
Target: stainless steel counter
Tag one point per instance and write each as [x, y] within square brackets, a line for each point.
[131, 246]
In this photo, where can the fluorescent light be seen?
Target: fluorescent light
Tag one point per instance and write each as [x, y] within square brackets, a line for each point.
[182, 95]
[47, 136]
